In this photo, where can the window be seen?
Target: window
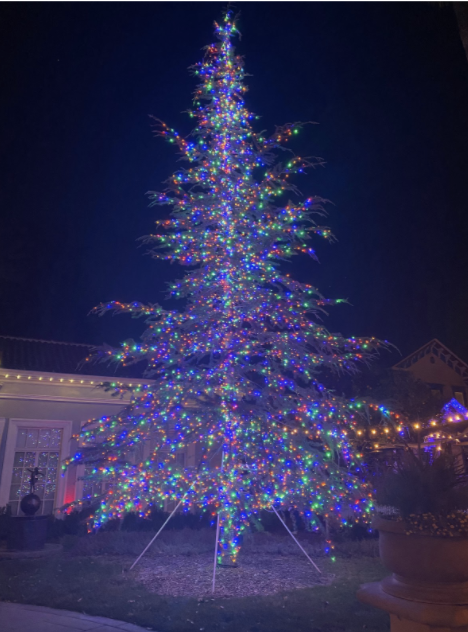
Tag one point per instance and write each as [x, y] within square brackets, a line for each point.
[459, 396]
[92, 488]
[36, 447]
[436, 390]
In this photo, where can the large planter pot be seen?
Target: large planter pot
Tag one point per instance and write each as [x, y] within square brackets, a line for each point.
[27, 533]
[425, 568]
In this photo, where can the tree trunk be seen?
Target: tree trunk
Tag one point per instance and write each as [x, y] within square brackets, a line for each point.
[461, 13]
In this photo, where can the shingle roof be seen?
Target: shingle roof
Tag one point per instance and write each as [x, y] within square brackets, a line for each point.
[27, 354]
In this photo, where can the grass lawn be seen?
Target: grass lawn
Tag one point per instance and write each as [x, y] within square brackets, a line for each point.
[99, 586]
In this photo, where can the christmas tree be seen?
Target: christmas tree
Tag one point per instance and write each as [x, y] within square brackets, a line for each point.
[235, 375]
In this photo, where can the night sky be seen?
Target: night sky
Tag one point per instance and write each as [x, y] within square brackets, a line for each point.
[386, 83]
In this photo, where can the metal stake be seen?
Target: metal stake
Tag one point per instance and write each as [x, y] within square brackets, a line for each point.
[144, 551]
[217, 537]
[215, 556]
[291, 534]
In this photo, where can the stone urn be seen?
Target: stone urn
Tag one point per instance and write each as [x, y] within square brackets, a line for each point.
[428, 588]
[425, 568]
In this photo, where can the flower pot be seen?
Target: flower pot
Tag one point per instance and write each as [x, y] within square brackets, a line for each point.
[425, 568]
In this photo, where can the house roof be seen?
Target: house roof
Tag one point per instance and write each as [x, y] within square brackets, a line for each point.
[435, 347]
[49, 356]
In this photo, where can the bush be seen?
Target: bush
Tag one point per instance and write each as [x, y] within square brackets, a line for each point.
[269, 521]
[175, 542]
[157, 517]
[421, 486]
[185, 542]
[73, 523]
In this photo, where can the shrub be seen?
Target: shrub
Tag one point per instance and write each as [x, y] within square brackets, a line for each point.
[175, 542]
[185, 542]
[429, 496]
[73, 523]
[157, 517]
[421, 486]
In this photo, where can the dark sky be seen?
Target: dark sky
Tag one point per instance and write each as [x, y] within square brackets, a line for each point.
[387, 83]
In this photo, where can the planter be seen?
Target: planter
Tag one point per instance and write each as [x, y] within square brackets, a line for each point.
[425, 568]
[27, 533]
[428, 591]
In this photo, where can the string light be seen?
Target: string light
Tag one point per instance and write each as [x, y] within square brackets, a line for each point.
[235, 375]
[121, 384]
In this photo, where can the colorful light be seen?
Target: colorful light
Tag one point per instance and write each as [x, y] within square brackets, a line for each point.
[235, 375]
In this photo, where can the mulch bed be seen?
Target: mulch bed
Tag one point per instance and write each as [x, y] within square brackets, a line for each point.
[260, 574]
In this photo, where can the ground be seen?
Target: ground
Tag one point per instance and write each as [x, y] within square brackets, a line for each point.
[258, 574]
[101, 585]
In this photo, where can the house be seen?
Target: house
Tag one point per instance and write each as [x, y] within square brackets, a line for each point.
[437, 366]
[447, 377]
[47, 392]
[45, 396]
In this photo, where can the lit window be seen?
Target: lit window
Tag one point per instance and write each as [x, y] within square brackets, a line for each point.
[93, 488]
[36, 447]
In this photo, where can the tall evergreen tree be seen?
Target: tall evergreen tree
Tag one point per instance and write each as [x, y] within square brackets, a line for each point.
[235, 374]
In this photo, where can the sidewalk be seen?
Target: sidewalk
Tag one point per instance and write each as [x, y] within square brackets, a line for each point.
[16, 617]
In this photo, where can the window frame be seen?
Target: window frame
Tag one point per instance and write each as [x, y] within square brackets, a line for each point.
[7, 470]
[461, 390]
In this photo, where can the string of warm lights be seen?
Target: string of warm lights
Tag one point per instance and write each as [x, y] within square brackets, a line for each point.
[438, 429]
[67, 380]
[235, 375]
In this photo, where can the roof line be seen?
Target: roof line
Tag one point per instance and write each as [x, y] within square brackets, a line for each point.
[54, 342]
[396, 366]
[452, 354]
[77, 377]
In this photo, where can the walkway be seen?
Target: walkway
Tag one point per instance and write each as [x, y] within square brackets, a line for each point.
[16, 617]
